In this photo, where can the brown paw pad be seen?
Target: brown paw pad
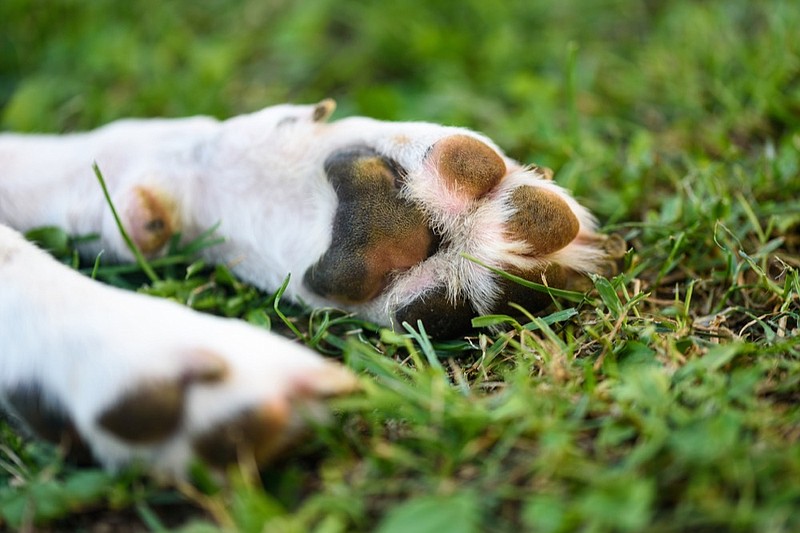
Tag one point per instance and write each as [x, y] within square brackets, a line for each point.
[529, 299]
[260, 432]
[375, 232]
[467, 165]
[152, 219]
[441, 317]
[267, 430]
[149, 413]
[543, 220]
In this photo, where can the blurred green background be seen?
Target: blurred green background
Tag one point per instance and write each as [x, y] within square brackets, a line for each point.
[590, 88]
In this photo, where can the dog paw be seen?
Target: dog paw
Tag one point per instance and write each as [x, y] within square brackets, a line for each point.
[165, 404]
[125, 378]
[414, 216]
[253, 394]
[213, 392]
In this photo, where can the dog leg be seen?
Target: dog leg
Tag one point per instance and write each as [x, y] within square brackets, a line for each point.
[374, 217]
[131, 378]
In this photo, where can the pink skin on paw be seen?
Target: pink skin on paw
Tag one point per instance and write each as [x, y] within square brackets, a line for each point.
[447, 203]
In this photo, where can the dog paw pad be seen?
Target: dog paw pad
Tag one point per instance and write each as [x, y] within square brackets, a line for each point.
[375, 232]
[467, 165]
[529, 299]
[542, 219]
[255, 431]
[48, 419]
[266, 430]
[150, 413]
[151, 219]
[441, 316]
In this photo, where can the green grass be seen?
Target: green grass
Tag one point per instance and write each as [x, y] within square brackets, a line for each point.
[666, 400]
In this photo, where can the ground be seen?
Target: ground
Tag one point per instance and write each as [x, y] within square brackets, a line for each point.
[664, 399]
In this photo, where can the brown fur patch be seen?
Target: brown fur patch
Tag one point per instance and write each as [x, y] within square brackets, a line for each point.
[153, 411]
[256, 431]
[467, 165]
[149, 413]
[375, 232]
[543, 220]
[152, 219]
[48, 420]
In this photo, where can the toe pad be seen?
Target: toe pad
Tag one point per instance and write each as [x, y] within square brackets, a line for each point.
[467, 165]
[543, 220]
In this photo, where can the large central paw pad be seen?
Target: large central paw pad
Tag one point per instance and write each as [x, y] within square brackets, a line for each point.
[376, 234]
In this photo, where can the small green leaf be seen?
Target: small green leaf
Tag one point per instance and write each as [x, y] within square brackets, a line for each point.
[50, 238]
[608, 295]
[487, 321]
[223, 276]
[571, 296]
[194, 268]
[456, 513]
[720, 356]
[259, 317]
[545, 514]
[559, 316]
[87, 486]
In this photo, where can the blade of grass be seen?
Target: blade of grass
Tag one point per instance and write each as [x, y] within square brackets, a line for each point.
[572, 296]
[424, 343]
[140, 259]
[96, 265]
[280, 313]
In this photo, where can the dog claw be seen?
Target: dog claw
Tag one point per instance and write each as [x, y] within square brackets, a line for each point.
[325, 382]
[323, 110]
